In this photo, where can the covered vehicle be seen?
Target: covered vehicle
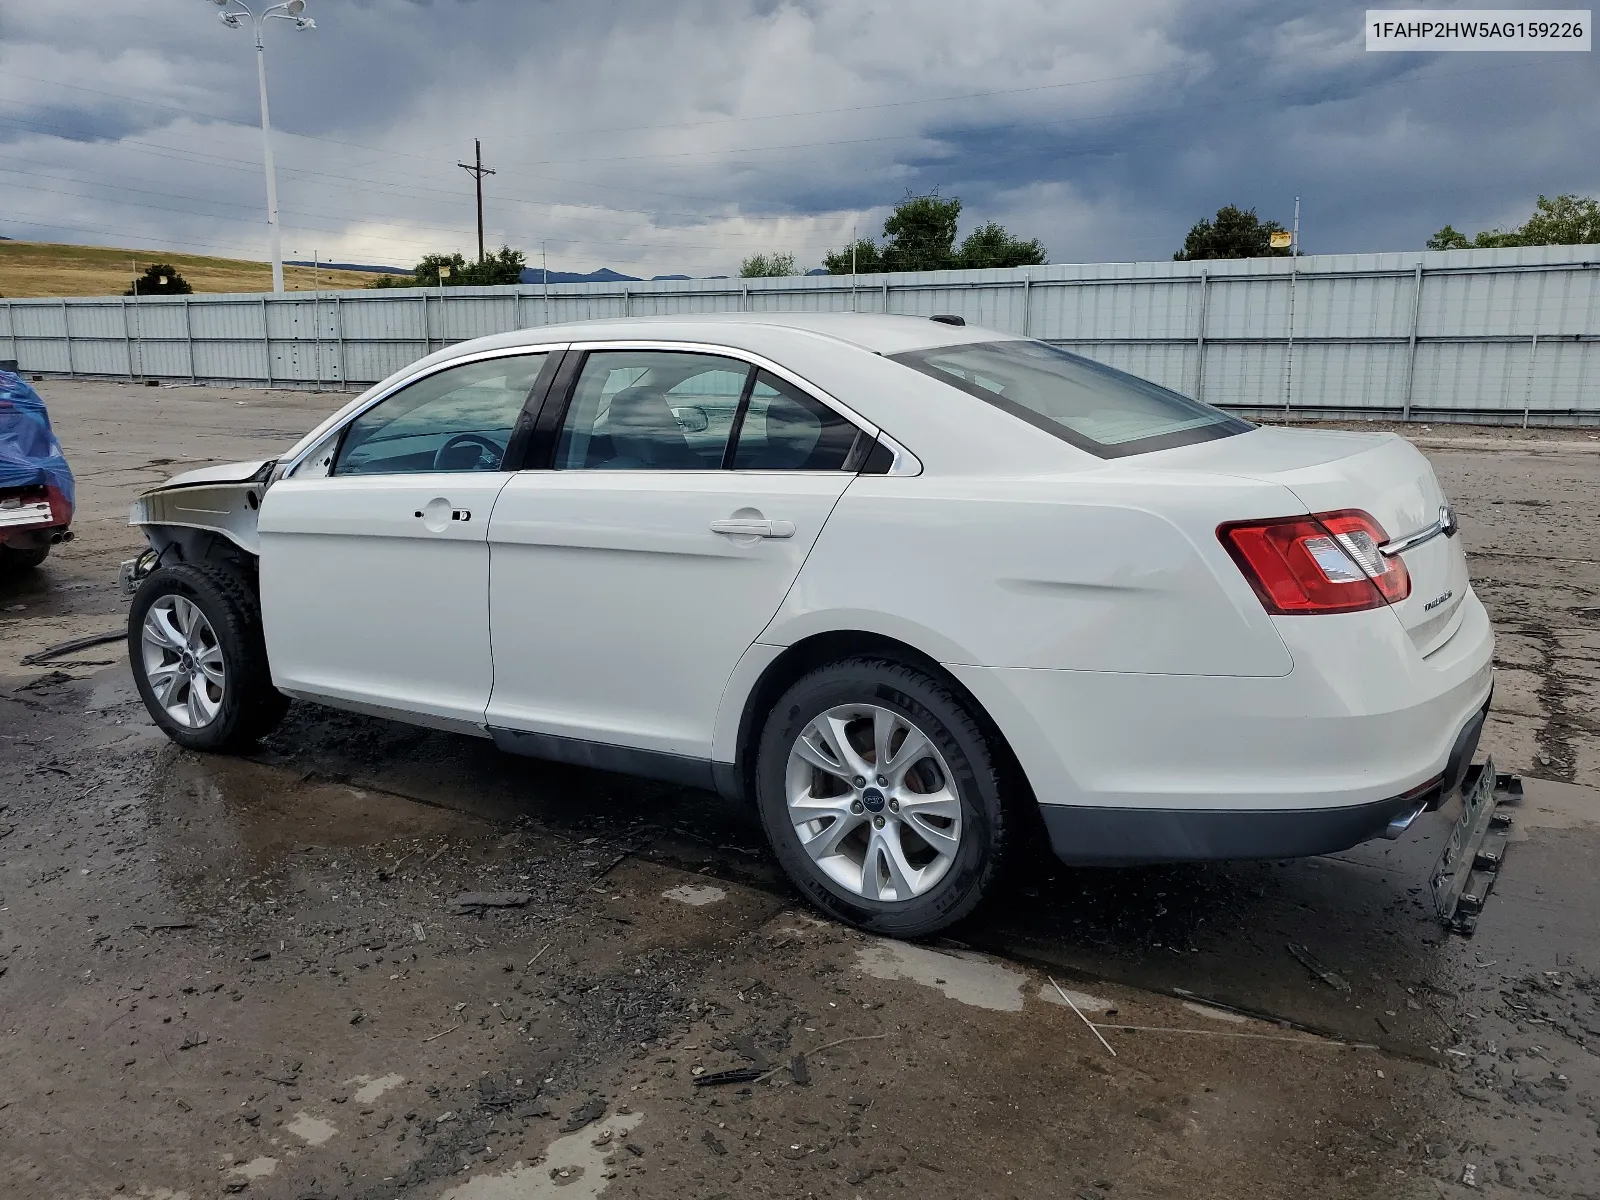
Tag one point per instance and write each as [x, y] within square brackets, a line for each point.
[36, 489]
[917, 590]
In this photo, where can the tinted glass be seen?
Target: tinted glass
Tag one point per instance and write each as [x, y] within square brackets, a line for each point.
[786, 430]
[460, 419]
[1093, 406]
[651, 410]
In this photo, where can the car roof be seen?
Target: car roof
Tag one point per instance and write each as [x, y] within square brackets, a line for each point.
[874, 332]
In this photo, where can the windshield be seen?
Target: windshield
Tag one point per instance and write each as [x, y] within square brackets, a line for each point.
[1095, 407]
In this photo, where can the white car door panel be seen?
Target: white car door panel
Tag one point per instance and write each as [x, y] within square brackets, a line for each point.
[374, 589]
[622, 601]
[375, 550]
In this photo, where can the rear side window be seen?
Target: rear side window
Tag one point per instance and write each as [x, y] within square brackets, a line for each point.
[783, 429]
[651, 410]
[1095, 407]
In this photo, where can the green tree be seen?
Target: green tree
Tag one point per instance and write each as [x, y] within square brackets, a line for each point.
[767, 266]
[1565, 221]
[1449, 238]
[160, 279]
[1234, 233]
[866, 259]
[991, 246]
[504, 266]
[920, 235]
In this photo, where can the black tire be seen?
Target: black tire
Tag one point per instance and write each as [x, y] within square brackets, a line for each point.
[251, 707]
[12, 559]
[974, 769]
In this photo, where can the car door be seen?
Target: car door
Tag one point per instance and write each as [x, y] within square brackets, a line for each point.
[631, 574]
[374, 549]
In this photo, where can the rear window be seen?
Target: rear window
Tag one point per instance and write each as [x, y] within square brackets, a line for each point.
[1095, 407]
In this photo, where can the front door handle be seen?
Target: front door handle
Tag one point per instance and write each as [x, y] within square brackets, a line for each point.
[747, 527]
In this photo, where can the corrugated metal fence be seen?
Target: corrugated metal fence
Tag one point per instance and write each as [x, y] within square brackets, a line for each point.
[1499, 335]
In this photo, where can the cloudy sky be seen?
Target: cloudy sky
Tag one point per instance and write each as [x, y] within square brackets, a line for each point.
[680, 136]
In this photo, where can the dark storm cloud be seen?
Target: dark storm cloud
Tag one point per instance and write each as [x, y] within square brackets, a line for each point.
[681, 137]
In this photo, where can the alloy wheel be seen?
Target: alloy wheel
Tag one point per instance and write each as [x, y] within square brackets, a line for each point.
[873, 802]
[183, 661]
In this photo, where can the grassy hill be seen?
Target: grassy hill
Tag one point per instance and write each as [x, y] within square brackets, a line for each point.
[48, 269]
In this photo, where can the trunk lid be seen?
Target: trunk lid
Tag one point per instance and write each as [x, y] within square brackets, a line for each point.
[1380, 473]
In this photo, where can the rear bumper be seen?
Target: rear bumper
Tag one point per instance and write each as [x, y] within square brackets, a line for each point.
[1143, 768]
[1082, 835]
[34, 517]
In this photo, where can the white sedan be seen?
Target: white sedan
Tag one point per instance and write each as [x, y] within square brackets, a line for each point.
[916, 590]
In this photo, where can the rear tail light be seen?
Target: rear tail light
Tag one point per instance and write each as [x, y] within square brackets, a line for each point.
[1327, 563]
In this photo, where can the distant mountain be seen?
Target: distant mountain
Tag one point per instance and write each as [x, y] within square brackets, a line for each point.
[603, 275]
[350, 267]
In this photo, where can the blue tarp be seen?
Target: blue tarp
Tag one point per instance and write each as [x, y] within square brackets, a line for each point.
[30, 456]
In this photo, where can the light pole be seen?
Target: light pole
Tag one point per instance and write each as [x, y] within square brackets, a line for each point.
[234, 13]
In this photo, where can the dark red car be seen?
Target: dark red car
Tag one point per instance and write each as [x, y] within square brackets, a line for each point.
[36, 488]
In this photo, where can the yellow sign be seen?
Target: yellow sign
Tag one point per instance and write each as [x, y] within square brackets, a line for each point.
[1281, 239]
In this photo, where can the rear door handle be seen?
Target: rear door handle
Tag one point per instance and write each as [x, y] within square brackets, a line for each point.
[747, 527]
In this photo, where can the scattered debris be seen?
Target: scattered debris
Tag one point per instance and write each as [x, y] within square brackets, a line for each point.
[736, 1075]
[798, 1071]
[40, 657]
[439, 1035]
[1469, 1175]
[1094, 1029]
[745, 1044]
[710, 1141]
[694, 894]
[585, 1114]
[1334, 980]
[477, 902]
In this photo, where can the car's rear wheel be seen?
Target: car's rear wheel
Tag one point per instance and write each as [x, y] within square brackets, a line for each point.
[199, 658]
[12, 559]
[881, 796]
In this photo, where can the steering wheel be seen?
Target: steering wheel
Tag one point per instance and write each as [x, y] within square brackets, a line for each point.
[487, 445]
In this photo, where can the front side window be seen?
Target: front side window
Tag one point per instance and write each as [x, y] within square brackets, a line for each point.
[783, 429]
[1095, 407]
[459, 419]
[651, 410]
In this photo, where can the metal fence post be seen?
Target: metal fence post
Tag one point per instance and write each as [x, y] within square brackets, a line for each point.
[1027, 305]
[1527, 399]
[266, 341]
[338, 326]
[627, 302]
[744, 303]
[886, 295]
[11, 332]
[127, 338]
[66, 332]
[188, 338]
[1200, 337]
[1411, 342]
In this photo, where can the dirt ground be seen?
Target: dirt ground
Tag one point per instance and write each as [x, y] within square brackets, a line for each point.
[373, 961]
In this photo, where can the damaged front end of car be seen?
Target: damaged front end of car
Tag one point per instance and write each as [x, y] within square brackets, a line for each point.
[206, 515]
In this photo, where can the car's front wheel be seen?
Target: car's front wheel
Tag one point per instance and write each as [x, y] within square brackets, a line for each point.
[199, 659]
[881, 796]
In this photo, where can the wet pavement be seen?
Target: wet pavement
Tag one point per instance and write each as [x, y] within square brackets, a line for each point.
[223, 975]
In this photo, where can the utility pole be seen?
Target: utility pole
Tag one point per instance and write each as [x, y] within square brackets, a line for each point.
[477, 170]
